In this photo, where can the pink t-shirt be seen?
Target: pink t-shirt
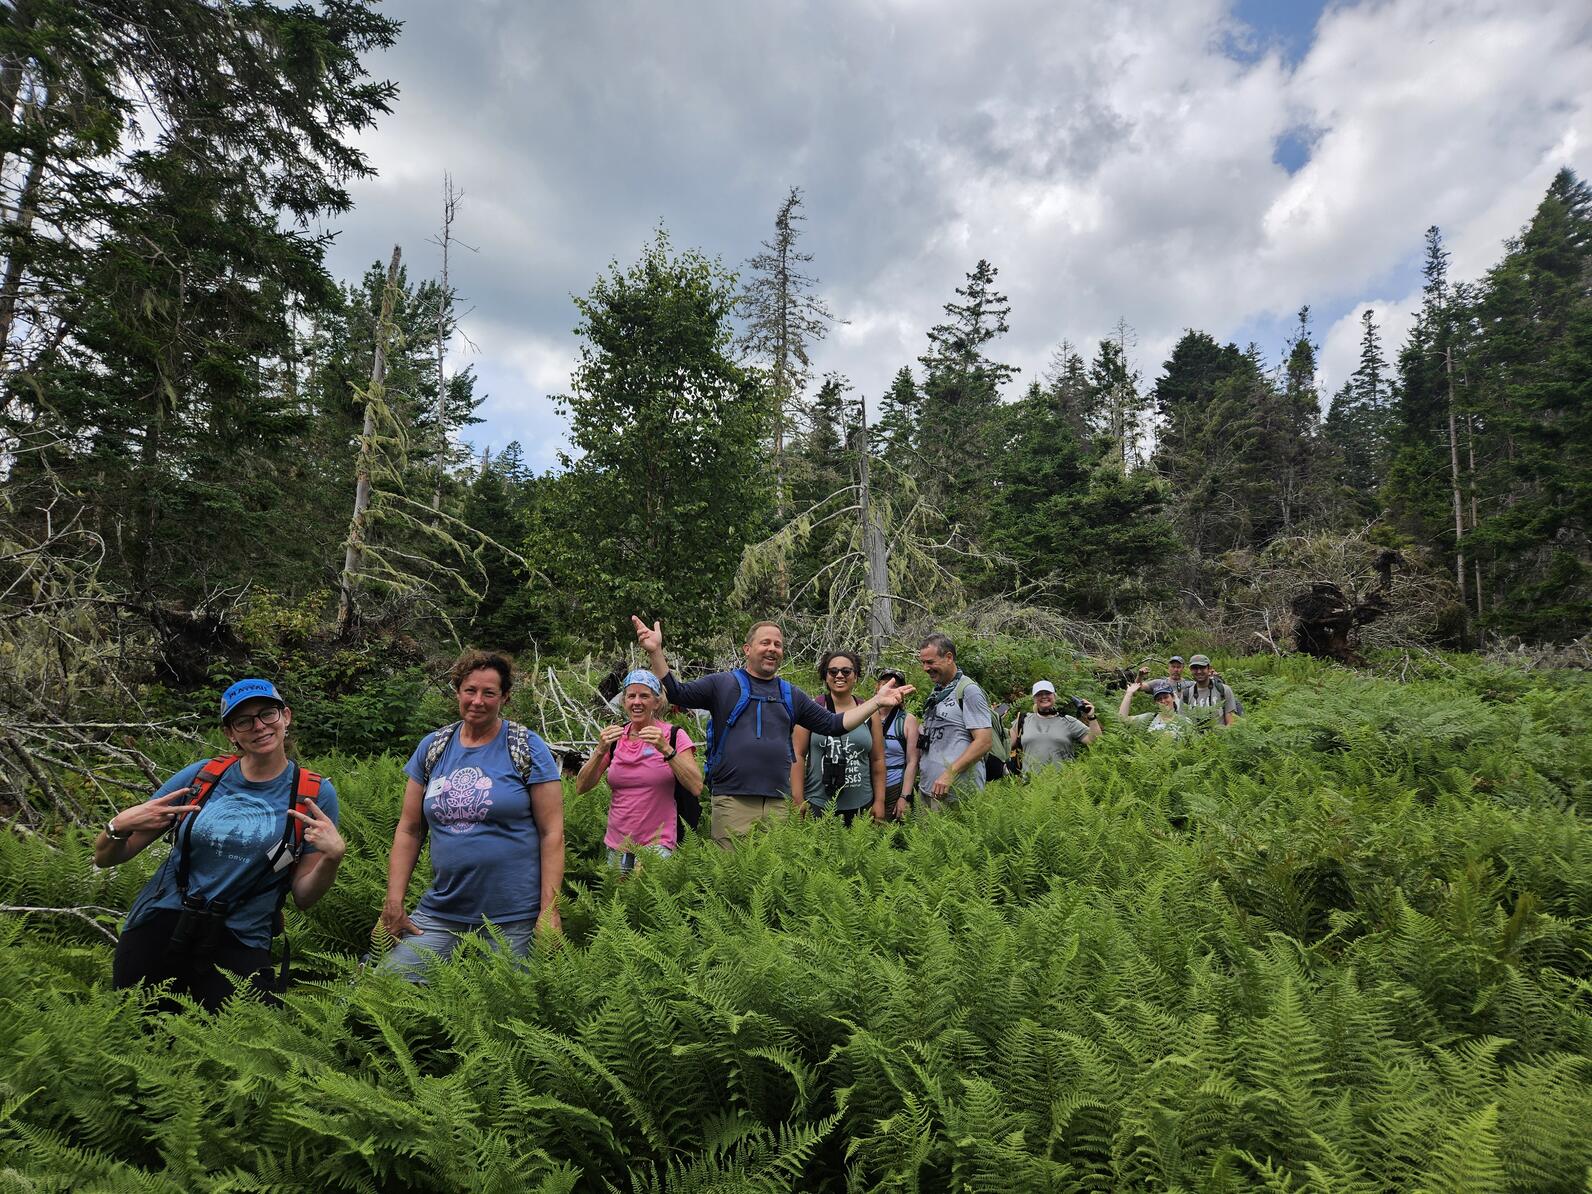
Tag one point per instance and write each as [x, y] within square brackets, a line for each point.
[642, 812]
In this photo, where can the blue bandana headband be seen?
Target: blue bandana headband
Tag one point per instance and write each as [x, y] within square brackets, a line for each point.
[645, 678]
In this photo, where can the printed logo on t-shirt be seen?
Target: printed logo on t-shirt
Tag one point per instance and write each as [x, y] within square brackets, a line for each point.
[462, 800]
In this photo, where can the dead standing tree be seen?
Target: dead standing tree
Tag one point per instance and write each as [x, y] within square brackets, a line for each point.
[783, 319]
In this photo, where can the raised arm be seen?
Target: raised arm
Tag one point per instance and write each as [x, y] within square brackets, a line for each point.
[594, 768]
[888, 697]
[650, 639]
[1125, 709]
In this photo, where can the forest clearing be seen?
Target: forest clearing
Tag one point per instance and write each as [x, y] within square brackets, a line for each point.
[405, 415]
[1341, 945]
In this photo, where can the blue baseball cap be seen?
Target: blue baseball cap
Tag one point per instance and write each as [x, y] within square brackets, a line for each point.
[248, 690]
[645, 678]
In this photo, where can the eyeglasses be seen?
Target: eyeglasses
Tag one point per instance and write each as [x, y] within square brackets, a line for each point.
[266, 717]
[839, 671]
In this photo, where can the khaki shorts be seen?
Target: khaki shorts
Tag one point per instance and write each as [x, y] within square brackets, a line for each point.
[734, 816]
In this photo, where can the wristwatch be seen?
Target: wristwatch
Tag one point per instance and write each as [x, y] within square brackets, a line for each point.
[669, 758]
[110, 831]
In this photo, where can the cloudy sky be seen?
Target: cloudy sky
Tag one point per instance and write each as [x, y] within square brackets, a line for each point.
[1176, 163]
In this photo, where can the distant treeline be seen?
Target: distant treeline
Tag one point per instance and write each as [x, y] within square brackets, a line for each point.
[184, 378]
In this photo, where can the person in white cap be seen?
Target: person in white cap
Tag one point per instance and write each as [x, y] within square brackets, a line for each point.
[1208, 700]
[1048, 735]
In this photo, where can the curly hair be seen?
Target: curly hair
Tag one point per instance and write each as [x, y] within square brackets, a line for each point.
[850, 657]
[475, 659]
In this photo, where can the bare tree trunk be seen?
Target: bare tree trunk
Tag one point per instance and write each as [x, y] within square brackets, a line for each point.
[11, 72]
[16, 260]
[1459, 507]
[355, 544]
[450, 205]
[149, 493]
[881, 608]
[1470, 448]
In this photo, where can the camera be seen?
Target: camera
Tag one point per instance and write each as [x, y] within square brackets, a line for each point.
[1079, 707]
[201, 926]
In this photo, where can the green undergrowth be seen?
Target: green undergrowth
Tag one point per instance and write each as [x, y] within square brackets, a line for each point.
[1344, 945]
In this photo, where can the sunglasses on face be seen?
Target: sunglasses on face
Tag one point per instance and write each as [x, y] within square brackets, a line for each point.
[838, 671]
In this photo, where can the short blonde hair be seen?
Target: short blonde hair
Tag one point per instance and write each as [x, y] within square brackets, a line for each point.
[756, 626]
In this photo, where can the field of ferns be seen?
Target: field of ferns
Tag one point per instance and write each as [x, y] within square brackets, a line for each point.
[1345, 945]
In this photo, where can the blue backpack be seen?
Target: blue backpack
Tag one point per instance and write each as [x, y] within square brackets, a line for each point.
[717, 733]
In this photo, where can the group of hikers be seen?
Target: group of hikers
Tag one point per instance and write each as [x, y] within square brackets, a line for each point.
[251, 828]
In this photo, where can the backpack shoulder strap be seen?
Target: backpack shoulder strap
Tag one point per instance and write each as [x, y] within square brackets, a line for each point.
[519, 742]
[1017, 726]
[435, 750]
[198, 792]
[306, 790]
[788, 699]
[718, 732]
[204, 782]
[674, 734]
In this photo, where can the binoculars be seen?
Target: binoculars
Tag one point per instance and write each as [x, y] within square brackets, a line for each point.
[201, 926]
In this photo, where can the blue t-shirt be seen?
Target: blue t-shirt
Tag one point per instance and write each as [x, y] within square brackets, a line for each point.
[239, 823]
[486, 852]
[757, 752]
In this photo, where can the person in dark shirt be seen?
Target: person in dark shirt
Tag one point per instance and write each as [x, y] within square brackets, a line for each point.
[748, 763]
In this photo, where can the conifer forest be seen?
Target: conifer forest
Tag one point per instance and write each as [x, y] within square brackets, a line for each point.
[1343, 943]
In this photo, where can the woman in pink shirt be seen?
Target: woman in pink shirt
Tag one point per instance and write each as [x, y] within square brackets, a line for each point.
[643, 760]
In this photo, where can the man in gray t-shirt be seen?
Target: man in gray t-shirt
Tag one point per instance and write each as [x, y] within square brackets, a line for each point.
[958, 726]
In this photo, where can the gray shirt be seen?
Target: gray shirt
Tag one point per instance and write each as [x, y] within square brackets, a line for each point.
[757, 751]
[949, 725]
[1206, 705]
[1050, 739]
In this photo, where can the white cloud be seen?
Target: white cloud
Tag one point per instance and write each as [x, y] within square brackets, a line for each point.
[1111, 159]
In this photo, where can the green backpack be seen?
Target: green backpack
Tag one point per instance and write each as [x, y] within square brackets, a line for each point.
[995, 762]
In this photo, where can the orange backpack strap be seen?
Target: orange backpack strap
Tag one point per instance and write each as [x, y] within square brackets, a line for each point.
[205, 781]
[306, 790]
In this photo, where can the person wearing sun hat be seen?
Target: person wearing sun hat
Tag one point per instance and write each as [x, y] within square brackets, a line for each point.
[248, 829]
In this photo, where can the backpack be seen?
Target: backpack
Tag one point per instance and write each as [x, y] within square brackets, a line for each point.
[1014, 761]
[519, 745]
[306, 788]
[999, 754]
[718, 733]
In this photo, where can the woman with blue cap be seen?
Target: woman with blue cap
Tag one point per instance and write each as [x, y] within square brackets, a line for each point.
[247, 829]
[647, 762]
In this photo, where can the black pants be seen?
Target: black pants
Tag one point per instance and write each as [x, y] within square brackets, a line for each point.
[144, 955]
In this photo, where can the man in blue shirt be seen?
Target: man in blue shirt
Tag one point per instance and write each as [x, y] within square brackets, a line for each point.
[749, 756]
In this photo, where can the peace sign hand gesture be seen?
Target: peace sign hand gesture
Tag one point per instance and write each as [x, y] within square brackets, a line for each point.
[320, 831]
[155, 815]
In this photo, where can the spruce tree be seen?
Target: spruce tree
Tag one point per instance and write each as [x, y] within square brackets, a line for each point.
[959, 425]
